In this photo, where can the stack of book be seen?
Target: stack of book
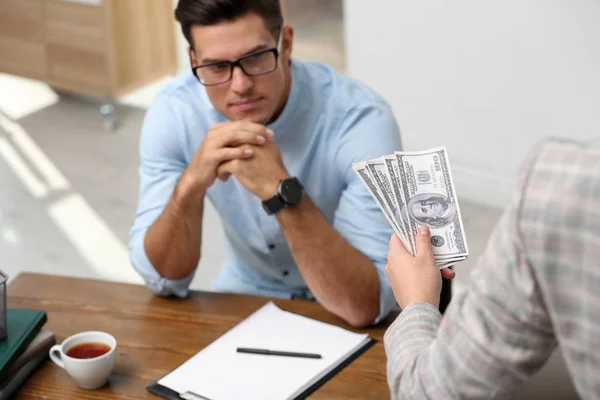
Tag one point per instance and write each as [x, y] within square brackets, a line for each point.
[24, 348]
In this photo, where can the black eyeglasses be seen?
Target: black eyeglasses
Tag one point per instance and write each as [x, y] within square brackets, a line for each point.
[256, 64]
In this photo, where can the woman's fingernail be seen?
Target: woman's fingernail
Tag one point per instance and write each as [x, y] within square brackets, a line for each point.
[270, 132]
[424, 230]
[248, 152]
[260, 139]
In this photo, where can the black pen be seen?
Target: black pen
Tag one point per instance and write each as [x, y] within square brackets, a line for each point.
[266, 352]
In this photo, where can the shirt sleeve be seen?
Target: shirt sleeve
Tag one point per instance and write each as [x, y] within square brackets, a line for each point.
[367, 132]
[162, 161]
[493, 336]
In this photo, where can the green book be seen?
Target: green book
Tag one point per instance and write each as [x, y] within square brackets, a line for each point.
[22, 326]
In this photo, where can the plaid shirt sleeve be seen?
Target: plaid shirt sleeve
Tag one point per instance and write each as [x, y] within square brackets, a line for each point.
[502, 329]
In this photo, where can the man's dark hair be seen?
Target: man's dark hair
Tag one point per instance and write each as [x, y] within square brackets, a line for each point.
[212, 12]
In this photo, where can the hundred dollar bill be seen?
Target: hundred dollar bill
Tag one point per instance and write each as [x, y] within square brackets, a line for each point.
[393, 172]
[362, 170]
[401, 213]
[430, 200]
[441, 266]
[384, 184]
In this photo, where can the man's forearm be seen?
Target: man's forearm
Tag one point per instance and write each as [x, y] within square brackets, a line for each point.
[173, 241]
[342, 279]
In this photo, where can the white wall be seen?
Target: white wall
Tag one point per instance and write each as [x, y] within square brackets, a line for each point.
[485, 78]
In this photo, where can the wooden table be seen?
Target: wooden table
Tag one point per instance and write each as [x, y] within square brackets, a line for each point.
[155, 335]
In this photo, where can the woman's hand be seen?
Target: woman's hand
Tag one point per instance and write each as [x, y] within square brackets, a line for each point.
[415, 278]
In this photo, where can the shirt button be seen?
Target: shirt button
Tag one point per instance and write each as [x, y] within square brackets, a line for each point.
[285, 273]
[271, 246]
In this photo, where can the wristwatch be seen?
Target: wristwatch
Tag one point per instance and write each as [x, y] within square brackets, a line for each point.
[289, 193]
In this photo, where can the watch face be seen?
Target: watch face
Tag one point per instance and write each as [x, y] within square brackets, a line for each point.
[291, 191]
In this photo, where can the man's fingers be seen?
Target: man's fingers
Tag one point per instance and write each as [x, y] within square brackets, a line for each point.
[225, 159]
[224, 176]
[257, 128]
[239, 133]
[249, 125]
[423, 241]
[239, 137]
[448, 273]
[232, 153]
[223, 170]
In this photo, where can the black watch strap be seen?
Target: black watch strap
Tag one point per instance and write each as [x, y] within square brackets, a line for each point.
[289, 193]
[273, 205]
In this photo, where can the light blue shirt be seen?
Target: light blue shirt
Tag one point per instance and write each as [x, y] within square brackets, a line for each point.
[329, 122]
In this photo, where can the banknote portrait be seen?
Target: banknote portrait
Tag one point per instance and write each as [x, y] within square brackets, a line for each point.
[415, 189]
[432, 210]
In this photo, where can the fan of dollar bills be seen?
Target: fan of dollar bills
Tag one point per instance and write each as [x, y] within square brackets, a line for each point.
[414, 189]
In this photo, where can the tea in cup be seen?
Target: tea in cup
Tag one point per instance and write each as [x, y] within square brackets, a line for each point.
[88, 357]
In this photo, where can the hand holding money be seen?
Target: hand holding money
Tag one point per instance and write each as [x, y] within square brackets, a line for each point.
[416, 189]
[415, 279]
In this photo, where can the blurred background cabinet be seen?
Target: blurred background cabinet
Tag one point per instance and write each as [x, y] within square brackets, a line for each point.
[102, 48]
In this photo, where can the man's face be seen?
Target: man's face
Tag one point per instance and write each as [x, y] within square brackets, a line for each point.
[431, 209]
[253, 98]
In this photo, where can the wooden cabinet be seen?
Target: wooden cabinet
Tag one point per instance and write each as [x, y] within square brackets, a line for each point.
[102, 48]
[21, 30]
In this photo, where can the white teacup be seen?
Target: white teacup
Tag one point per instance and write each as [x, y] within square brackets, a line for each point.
[89, 373]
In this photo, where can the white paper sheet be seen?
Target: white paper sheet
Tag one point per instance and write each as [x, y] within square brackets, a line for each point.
[218, 372]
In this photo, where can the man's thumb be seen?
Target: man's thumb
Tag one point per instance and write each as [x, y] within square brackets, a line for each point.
[423, 242]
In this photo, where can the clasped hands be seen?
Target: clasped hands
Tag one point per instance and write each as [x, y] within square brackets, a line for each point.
[240, 148]
[246, 150]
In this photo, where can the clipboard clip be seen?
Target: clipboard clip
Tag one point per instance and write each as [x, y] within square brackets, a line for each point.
[192, 396]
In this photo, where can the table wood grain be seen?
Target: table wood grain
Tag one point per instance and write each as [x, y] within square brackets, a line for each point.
[155, 335]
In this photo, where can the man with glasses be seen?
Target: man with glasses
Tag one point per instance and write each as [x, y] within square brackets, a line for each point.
[280, 135]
